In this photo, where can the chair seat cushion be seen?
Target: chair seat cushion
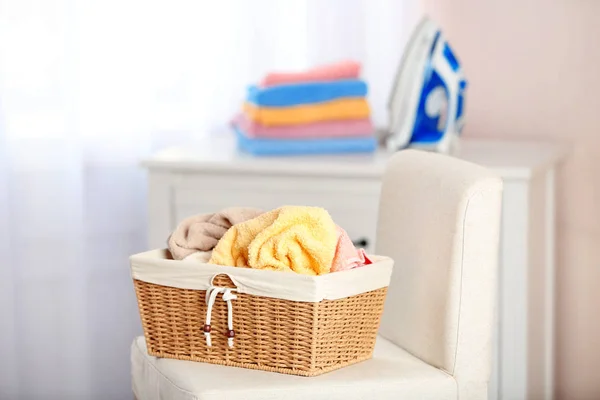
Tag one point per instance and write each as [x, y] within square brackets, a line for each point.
[391, 374]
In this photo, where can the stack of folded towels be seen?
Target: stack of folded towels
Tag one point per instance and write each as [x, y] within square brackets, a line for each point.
[319, 111]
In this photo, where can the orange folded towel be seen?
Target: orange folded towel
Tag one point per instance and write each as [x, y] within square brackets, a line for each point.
[349, 108]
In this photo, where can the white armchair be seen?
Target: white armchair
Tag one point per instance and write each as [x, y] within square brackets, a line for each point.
[439, 219]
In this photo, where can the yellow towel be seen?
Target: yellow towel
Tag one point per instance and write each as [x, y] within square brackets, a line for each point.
[290, 238]
[349, 108]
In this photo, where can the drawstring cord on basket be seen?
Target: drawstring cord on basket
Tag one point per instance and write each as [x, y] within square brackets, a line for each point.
[211, 296]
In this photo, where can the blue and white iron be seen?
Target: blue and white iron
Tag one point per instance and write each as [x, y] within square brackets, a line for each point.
[426, 103]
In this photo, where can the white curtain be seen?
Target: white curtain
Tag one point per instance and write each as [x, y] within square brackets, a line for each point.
[89, 87]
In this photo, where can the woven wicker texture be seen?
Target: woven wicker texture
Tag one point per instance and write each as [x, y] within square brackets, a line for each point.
[271, 334]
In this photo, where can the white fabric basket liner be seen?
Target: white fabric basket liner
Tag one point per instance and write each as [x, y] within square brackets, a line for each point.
[157, 267]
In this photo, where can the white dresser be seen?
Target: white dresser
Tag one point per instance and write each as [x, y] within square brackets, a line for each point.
[214, 175]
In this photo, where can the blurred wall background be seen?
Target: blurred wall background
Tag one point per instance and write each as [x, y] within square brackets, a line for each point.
[534, 73]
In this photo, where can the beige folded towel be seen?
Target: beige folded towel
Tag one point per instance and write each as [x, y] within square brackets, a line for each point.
[202, 232]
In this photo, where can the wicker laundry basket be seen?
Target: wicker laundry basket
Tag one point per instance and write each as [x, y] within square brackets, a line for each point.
[273, 321]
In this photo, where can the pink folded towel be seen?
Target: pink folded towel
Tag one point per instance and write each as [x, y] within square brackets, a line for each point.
[202, 232]
[330, 72]
[326, 129]
[346, 255]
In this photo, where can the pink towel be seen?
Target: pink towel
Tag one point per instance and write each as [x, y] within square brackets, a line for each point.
[326, 129]
[346, 255]
[330, 72]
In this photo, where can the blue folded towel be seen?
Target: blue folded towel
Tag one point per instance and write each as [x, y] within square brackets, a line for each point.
[305, 146]
[305, 93]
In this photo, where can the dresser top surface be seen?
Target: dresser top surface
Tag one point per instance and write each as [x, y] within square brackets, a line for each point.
[510, 159]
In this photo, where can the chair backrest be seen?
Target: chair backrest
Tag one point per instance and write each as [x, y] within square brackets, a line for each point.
[439, 219]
